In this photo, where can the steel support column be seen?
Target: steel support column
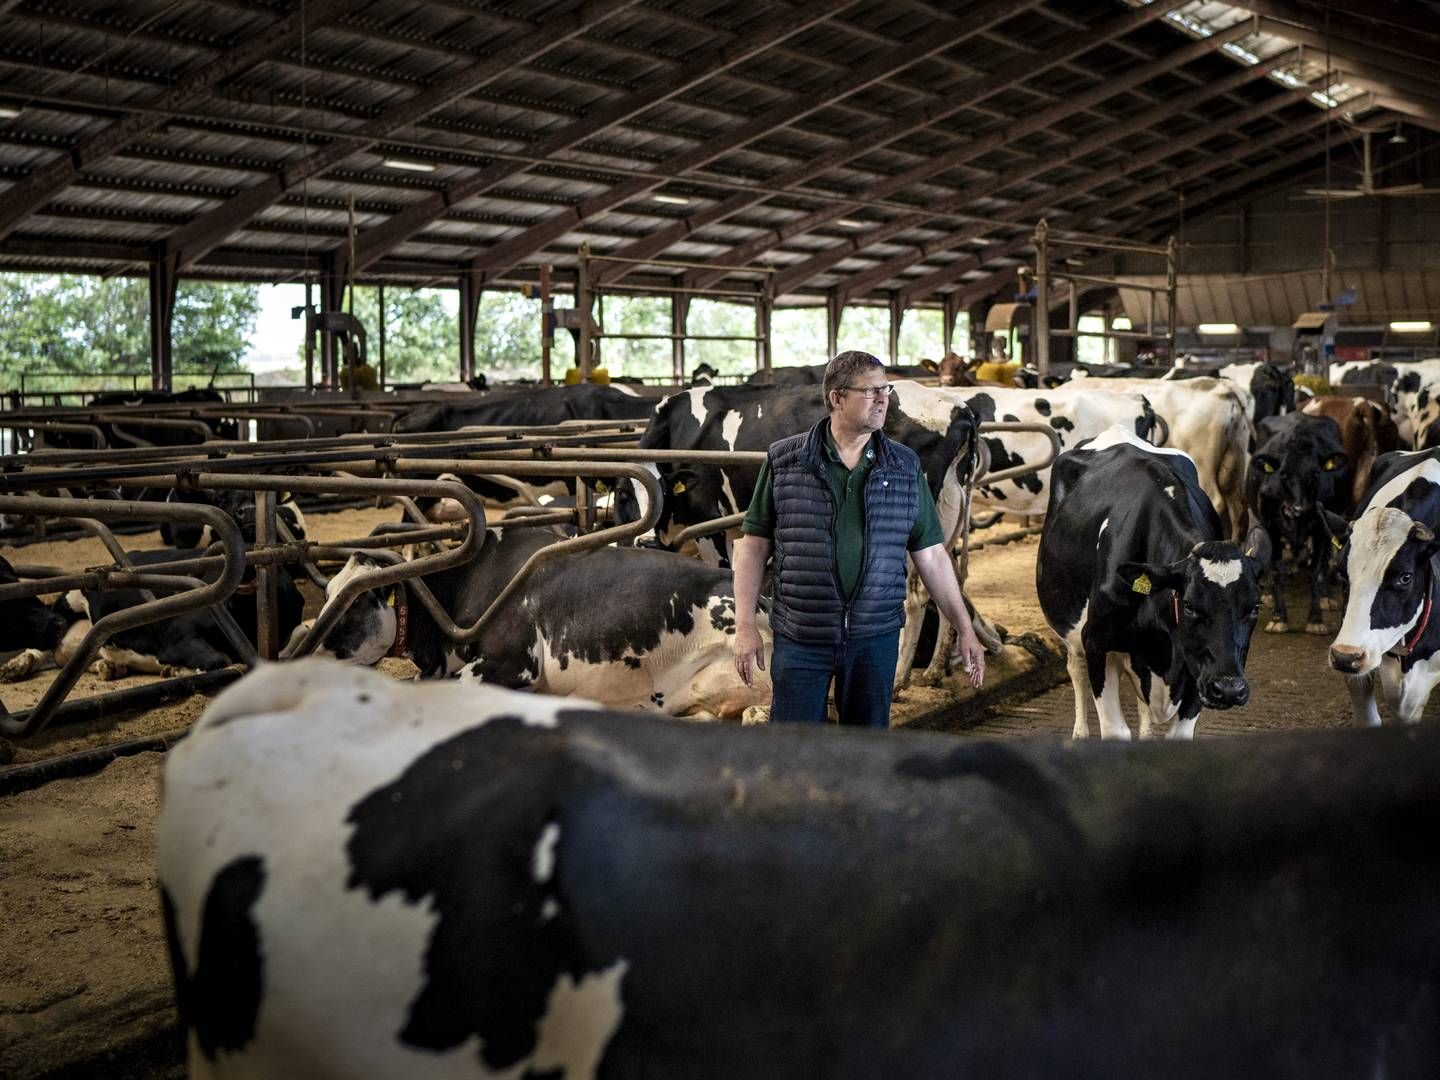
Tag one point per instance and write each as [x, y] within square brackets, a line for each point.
[1040, 329]
[469, 313]
[897, 315]
[679, 315]
[162, 309]
[332, 296]
[833, 312]
[949, 312]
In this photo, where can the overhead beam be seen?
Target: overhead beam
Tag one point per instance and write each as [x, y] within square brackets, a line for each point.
[375, 242]
[938, 36]
[187, 245]
[1102, 140]
[959, 98]
[50, 179]
[1017, 129]
[927, 284]
[1341, 27]
[1344, 55]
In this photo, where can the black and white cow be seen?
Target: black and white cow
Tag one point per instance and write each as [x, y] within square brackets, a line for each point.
[1208, 419]
[191, 640]
[1390, 559]
[1134, 576]
[361, 877]
[240, 505]
[39, 634]
[1300, 472]
[1417, 403]
[661, 642]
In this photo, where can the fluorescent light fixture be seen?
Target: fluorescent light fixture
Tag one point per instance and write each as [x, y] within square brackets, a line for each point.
[673, 200]
[408, 166]
[1218, 328]
[1416, 326]
[1121, 322]
[8, 113]
[850, 223]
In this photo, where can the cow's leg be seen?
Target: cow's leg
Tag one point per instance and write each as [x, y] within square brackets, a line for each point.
[1080, 683]
[916, 597]
[1415, 690]
[116, 663]
[1279, 623]
[25, 664]
[1391, 682]
[1105, 674]
[1184, 725]
[1319, 568]
[1362, 699]
[1140, 683]
[192, 654]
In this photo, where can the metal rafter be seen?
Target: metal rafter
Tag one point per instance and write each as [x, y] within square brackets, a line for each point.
[374, 243]
[947, 275]
[1102, 140]
[1349, 30]
[936, 38]
[1012, 133]
[963, 97]
[187, 245]
[1024, 213]
[47, 181]
[1347, 56]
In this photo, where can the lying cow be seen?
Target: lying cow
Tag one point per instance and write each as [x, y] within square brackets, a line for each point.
[1298, 474]
[364, 878]
[39, 635]
[628, 627]
[240, 505]
[1390, 558]
[1134, 576]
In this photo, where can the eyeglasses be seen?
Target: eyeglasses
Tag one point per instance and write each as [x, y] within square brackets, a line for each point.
[874, 393]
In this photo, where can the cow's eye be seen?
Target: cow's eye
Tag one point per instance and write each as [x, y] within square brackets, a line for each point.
[1403, 580]
[1190, 609]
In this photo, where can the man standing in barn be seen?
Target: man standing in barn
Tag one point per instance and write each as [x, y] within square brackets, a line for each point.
[840, 506]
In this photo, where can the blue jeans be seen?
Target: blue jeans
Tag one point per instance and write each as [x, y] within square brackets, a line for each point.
[863, 670]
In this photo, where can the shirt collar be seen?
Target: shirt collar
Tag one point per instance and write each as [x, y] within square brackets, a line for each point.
[832, 452]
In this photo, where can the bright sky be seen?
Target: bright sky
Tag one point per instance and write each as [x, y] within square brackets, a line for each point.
[278, 338]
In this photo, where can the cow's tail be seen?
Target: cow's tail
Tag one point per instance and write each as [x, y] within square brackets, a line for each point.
[1151, 426]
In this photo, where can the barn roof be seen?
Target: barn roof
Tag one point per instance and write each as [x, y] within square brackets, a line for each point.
[858, 147]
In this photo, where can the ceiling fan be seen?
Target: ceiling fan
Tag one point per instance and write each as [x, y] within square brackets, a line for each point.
[1367, 183]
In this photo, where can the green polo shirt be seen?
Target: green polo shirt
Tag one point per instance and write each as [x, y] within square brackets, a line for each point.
[848, 487]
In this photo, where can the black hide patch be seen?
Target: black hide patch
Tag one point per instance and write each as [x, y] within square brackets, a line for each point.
[221, 999]
[457, 831]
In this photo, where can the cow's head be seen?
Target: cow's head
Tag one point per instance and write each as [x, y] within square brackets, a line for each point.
[1214, 602]
[1273, 389]
[1386, 559]
[1302, 468]
[366, 632]
[27, 623]
[239, 505]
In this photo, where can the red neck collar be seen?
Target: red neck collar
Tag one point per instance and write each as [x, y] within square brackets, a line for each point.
[1406, 647]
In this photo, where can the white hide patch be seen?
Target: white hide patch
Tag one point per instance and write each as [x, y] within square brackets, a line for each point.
[1170, 490]
[304, 742]
[1117, 435]
[1221, 571]
[77, 602]
[542, 860]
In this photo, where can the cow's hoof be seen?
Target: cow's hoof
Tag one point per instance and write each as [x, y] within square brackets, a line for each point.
[1267, 599]
[1316, 628]
[15, 669]
[107, 671]
[1080, 733]
[755, 714]
[169, 671]
[928, 677]
[1275, 626]
[1327, 604]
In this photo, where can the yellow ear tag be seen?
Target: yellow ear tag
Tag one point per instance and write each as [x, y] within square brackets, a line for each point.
[1142, 585]
[679, 488]
[1329, 464]
[600, 487]
[1338, 545]
[390, 602]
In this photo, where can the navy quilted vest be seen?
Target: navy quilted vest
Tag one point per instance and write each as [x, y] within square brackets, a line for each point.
[809, 604]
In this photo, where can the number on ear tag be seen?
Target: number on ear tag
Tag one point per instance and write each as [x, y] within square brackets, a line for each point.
[679, 488]
[1142, 585]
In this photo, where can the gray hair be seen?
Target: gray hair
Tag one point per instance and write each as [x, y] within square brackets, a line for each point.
[841, 371]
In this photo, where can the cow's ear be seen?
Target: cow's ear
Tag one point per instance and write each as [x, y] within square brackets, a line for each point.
[1339, 529]
[1142, 579]
[1257, 546]
[1265, 463]
[1335, 461]
[683, 480]
[930, 366]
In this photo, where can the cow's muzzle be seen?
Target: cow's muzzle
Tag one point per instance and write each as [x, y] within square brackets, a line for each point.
[1347, 660]
[1225, 693]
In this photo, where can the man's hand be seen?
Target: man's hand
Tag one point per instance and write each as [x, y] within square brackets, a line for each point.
[971, 655]
[749, 648]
